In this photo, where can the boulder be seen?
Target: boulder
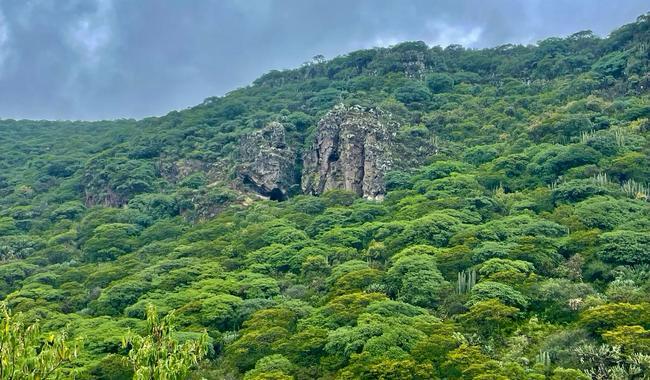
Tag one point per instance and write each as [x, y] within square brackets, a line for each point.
[267, 163]
[352, 150]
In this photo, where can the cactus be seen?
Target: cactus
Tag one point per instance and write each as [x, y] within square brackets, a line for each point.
[544, 357]
[636, 190]
[466, 281]
[435, 143]
[585, 136]
[630, 187]
[376, 288]
[619, 134]
[601, 179]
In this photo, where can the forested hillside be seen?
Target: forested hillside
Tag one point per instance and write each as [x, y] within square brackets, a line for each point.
[394, 213]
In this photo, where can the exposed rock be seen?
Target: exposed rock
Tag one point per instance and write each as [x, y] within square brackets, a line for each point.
[352, 151]
[267, 163]
[177, 170]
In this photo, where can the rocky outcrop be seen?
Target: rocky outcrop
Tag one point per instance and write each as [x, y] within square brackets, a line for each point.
[267, 164]
[352, 150]
[176, 170]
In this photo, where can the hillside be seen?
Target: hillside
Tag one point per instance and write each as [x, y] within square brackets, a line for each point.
[404, 212]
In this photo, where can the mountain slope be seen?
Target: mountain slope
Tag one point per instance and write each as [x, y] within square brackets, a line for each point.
[403, 212]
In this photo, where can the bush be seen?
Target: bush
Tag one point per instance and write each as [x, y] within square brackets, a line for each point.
[116, 298]
[439, 83]
[625, 247]
[608, 213]
[109, 241]
[412, 93]
[487, 290]
[416, 279]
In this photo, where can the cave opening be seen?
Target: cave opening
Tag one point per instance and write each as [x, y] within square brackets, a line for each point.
[277, 195]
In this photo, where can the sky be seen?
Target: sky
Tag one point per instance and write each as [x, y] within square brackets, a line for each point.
[110, 59]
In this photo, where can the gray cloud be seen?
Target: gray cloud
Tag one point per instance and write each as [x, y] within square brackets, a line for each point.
[94, 59]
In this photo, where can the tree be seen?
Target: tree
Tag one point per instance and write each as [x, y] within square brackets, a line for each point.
[25, 355]
[271, 367]
[114, 367]
[435, 347]
[221, 311]
[392, 369]
[412, 93]
[630, 338]
[159, 355]
[606, 317]
[110, 241]
[489, 317]
[578, 190]
[608, 213]
[439, 82]
[416, 279]
[496, 265]
[569, 374]
[487, 290]
[117, 297]
[625, 247]
[460, 360]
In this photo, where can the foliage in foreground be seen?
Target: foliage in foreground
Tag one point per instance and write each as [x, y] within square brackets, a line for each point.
[25, 353]
[158, 355]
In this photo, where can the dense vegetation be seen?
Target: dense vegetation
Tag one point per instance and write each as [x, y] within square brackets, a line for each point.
[519, 250]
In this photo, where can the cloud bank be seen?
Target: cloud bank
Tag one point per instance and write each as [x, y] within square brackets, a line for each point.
[99, 59]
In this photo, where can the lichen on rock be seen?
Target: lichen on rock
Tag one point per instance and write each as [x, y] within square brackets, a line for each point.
[352, 151]
[267, 163]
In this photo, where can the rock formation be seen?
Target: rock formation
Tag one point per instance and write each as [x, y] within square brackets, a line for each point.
[175, 170]
[267, 163]
[351, 151]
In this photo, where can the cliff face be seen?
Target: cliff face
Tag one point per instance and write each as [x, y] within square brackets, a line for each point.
[352, 150]
[267, 162]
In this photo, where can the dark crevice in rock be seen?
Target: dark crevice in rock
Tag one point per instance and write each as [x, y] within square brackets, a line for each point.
[274, 194]
[267, 163]
[277, 195]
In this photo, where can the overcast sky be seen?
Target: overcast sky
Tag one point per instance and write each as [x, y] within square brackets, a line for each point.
[98, 59]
